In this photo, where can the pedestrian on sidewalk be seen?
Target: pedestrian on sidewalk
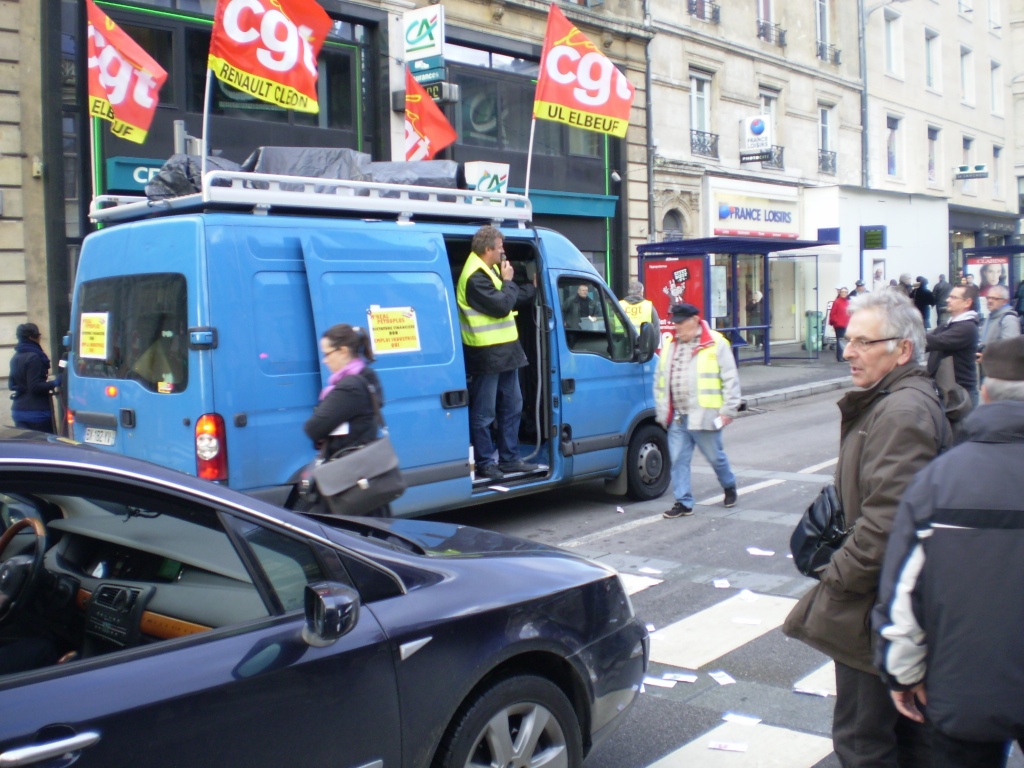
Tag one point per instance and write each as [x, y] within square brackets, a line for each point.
[940, 293]
[859, 289]
[30, 391]
[697, 395]
[957, 339]
[923, 299]
[950, 614]
[891, 427]
[839, 318]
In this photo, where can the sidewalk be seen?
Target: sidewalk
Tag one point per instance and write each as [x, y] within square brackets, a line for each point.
[790, 379]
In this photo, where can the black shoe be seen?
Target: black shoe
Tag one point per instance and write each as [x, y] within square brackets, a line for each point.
[489, 472]
[515, 467]
[678, 510]
[730, 497]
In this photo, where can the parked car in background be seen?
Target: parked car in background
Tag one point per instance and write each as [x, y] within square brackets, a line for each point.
[150, 618]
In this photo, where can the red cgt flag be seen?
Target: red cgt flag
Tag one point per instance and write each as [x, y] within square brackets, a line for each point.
[124, 81]
[268, 49]
[579, 85]
[427, 130]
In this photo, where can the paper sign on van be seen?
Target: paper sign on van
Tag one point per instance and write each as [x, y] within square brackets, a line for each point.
[393, 329]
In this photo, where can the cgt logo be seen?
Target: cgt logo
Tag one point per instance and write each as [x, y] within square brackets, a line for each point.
[118, 77]
[592, 72]
[282, 44]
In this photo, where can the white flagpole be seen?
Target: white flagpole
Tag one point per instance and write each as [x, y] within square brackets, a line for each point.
[529, 158]
[206, 125]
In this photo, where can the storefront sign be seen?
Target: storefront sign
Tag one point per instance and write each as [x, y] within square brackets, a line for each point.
[756, 139]
[754, 216]
[424, 36]
[487, 177]
[131, 174]
[979, 171]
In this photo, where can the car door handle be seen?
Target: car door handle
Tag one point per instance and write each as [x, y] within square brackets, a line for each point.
[39, 752]
[568, 386]
[455, 398]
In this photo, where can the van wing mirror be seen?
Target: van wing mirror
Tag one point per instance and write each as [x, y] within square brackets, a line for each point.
[647, 343]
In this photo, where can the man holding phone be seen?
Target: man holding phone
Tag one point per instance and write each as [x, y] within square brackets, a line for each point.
[697, 394]
[487, 296]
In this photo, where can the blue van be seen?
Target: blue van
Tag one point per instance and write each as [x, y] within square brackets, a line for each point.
[196, 324]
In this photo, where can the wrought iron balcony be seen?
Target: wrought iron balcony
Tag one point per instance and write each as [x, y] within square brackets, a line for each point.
[828, 52]
[826, 162]
[777, 159]
[704, 144]
[705, 10]
[771, 33]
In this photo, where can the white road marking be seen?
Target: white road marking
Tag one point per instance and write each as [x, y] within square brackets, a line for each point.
[768, 746]
[740, 492]
[710, 634]
[816, 467]
[821, 679]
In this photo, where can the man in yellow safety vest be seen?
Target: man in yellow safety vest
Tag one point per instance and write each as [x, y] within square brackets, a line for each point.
[697, 394]
[486, 295]
[639, 309]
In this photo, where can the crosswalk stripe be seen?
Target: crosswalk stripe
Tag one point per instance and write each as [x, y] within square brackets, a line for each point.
[740, 491]
[821, 679]
[634, 583]
[767, 746]
[816, 467]
[705, 636]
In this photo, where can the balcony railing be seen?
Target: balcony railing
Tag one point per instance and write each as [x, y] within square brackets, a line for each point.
[776, 161]
[771, 33]
[826, 162]
[828, 52]
[705, 10]
[704, 144]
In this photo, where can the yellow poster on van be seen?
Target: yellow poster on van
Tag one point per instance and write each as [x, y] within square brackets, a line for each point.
[93, 342]
[393, 329]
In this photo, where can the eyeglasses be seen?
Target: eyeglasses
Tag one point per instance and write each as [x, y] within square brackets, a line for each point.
[862, 344]
[328, 354]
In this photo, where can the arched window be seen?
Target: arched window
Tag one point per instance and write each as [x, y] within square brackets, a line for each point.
[672, 225]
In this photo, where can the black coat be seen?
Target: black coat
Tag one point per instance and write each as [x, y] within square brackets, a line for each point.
[482, 296]
[940, 293]
[349, 402]
[924, 300]
[29, 369]
[953, 568]
[958, 340]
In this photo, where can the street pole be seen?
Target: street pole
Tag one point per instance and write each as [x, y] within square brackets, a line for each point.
[865, 180]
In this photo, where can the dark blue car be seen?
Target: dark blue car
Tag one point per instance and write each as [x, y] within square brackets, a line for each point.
[148, 618]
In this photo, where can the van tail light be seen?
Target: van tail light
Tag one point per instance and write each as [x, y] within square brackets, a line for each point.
[211, 448]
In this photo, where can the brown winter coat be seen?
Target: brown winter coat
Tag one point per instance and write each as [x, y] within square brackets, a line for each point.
[888, 433]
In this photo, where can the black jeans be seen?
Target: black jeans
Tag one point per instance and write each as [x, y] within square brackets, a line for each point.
[840, 334]
[868, 732]
[957, 753]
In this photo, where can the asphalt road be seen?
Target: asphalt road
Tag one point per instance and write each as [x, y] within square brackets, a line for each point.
[782, 455]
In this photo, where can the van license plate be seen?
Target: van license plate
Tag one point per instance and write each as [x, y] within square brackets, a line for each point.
[99, 436]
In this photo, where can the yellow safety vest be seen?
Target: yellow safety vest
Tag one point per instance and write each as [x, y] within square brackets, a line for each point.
[478, 329]
[709, 377]
[640, 313]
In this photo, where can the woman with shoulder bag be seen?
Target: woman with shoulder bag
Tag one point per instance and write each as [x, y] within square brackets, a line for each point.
[346, 416]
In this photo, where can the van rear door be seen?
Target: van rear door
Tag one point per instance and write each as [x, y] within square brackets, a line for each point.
[135, 385]
[395, 281]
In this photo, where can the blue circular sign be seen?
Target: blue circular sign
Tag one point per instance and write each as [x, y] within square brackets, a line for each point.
[724, 210]
[757, 127]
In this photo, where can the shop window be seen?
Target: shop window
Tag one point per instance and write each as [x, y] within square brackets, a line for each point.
[497, 111]
[158, 43]
[584, 143]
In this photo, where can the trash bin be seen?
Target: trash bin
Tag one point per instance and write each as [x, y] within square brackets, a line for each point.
[812, 330]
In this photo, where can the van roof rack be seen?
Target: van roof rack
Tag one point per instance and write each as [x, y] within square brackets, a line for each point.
[262, 192]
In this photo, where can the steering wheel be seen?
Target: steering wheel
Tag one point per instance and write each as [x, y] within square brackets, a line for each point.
[19, 574]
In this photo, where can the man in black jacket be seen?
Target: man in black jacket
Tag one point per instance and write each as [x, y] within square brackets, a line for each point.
[950, 612]
[940, 292]
[957, 339]
[487, 296]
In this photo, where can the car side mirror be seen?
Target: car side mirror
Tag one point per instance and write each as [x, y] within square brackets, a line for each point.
[332, 610]
[647, 343]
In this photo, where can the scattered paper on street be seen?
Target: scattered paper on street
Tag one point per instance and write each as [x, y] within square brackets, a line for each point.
[620, 510]
[680, 677]
[732, 717]
[659, 682]
[747, 596]
[811, 691]
[760, 552]
[727, 746]
[722, 678]
[650, 628]
[648, 569]
[721, 583]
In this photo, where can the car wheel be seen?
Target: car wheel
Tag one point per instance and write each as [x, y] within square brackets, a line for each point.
[520, 722]
[647, 464]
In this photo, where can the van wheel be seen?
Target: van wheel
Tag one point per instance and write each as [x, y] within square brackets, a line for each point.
[521, 721]
[647, 464]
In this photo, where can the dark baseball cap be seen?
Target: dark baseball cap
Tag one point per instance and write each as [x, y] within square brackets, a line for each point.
[682, 311]
[859, 283]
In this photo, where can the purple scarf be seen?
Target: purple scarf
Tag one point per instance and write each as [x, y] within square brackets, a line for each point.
[354, 368]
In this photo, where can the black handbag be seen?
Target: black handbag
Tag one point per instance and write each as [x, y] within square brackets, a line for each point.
[820, 532]
[361, 479]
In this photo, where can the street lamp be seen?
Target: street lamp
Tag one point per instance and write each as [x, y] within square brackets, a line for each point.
[865, 179]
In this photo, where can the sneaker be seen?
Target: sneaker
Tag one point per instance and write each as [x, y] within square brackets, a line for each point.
[489, 472]
[730, 497]
[678, 510]
[515, 467]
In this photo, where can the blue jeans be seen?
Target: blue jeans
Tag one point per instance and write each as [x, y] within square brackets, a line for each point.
[494, 398]
[680, 447]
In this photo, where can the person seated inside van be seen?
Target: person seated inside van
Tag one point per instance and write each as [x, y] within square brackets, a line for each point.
[580, 311]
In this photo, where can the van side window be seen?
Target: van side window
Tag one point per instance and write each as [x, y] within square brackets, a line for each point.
[134, 327]
[593, 321]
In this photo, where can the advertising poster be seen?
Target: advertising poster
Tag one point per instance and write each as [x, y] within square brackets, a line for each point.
[669, 281]
[989, 271]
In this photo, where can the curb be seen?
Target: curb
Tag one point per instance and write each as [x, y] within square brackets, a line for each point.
[801, 390]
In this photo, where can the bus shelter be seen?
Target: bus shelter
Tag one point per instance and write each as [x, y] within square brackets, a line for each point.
[761, 294]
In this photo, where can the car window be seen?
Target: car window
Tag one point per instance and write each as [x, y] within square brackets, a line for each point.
[592, 320]
[289, 564]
